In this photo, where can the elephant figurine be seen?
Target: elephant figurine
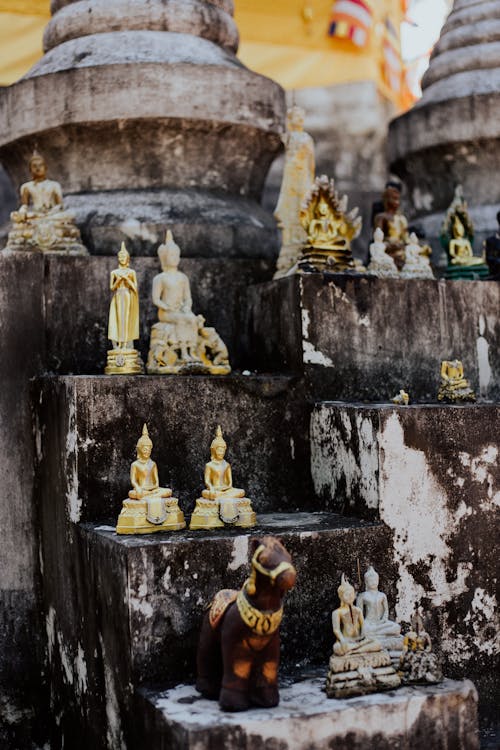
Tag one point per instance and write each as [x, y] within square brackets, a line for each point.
[239, 647]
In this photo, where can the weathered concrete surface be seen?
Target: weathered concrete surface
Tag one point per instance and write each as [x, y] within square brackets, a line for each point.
[452, 134]
[21, 634]
[439, 718]
[432, 475]
[362, 339]
[211, 134]
[265, 424]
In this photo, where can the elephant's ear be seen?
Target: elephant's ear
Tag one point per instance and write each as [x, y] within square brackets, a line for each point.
[254, 543]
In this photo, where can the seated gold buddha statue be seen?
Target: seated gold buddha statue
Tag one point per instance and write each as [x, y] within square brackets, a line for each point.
[41, 223]
[220, 502]
[359, 664]
[460, 248]
[330, 229]
[149, 507]
[454, 386]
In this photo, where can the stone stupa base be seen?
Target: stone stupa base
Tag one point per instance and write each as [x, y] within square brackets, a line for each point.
[133, 518]
[124, 362]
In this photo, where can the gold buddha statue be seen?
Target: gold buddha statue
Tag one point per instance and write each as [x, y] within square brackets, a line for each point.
[41, 223]
[180, 341]
[298, 176]
[221, 503]
[454, 386]
[457, 237]
[123, 325]
[149, 507]
[359, 664]
[460, 248]
[330, 229]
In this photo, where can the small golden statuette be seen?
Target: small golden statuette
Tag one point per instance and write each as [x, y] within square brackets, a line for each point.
[180, 341]
[457, 238]
[41, 223]
[454, 387]
[402, 399]
[149, 507]
[123, 327]
[359, 664]
[330, 229]
[221, 503]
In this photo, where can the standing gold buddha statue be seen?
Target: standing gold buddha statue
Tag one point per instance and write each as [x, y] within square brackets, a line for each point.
[149, 507]
[123, 325]
[221, 503]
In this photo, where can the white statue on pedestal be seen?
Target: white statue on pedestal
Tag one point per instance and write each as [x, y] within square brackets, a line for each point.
[381, 264]
[417, 265]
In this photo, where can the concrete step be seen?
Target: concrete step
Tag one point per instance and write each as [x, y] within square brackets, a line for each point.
[88, 427]
[432, 475]
[124, 611]
[440, 717]
[363, 338]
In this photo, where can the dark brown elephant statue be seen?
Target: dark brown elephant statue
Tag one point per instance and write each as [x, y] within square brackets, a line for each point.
[239, 648]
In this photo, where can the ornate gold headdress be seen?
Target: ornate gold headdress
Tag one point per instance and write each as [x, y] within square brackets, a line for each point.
[145, 439]
[218, 440]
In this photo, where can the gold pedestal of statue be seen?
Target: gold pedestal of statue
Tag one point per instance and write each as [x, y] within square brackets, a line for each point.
[41, 224]
[330, 230]
[149, 508]
[124, 362]
[220, 503]
[181, 344]
[148, 516]
[358, 665]
[454, 386]
[123, 324]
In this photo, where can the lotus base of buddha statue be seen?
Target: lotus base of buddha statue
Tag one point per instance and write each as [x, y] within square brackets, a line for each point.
[124, 362]
[46, 235]
[471, 273]
[332, 260]
[360, 674]
[215, 514]
[150, 515]
[451, 394]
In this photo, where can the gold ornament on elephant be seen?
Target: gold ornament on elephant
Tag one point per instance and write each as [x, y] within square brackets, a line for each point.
[330, 229]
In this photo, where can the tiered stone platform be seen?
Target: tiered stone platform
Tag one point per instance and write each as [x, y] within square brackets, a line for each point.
[407, 490]
[441, 717]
